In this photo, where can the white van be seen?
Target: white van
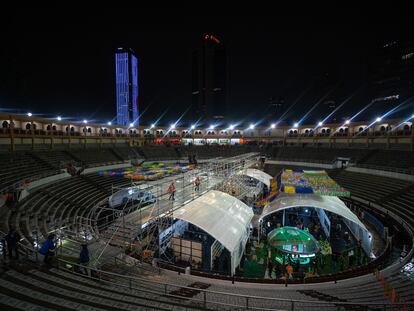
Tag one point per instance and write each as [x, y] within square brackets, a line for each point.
[137, 194]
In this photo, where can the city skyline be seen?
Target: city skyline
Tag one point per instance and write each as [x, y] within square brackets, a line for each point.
[304, 63]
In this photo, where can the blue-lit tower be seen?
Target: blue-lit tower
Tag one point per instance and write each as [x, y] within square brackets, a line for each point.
[127, 108]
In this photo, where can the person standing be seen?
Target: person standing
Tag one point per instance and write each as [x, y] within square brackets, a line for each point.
[270, 267]
[197, 183]
[171, 191]
[84, 259]
[48, 248]
[12, 241]
[289, 271]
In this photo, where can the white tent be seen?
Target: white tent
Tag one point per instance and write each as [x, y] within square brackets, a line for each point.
[259, 175]
[224, 217]
[328, 203]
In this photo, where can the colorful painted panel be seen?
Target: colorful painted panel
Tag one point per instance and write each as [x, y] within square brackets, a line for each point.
[146, 171]
[316, 182]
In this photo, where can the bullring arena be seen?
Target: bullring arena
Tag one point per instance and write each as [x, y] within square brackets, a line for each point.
[286, 221]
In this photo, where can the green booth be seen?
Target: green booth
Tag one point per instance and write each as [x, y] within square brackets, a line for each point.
[292, 243]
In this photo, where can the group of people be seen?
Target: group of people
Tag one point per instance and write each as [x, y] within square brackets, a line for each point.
[10, 246]
[172, 189]
[276, 270]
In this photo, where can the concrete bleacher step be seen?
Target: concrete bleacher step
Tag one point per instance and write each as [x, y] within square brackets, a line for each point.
[368, 155]
[13, 304]
[337, 301]
[321, 296]
[98, 186]
[152, 294]
[395, 194]
[72, 156]
[31, 294]
[42, 161]
[116, 154]
[189, 293]
[73, 295]
[31, 217]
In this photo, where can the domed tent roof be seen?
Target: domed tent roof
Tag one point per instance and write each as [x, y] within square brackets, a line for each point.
[222, 216]
[328, 203]
[280, 237]
[258, 175]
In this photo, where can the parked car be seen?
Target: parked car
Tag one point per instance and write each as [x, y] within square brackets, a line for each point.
[137, 194]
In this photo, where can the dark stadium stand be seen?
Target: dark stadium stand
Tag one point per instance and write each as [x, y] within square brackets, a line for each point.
[61, 203]
[18, 166]
[326, 155]
[58, 290]
[65, 201]
[399, 159]
[159, 152]
[57, 159]
[371, 187]
[95, 156]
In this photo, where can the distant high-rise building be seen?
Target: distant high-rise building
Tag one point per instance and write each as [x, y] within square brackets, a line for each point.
[276, 107]
[392, 69]
[209, 79]
[127, 108]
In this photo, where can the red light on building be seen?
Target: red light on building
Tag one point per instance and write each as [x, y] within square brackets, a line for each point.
[211, 37]
[215, 39]
[175, 141]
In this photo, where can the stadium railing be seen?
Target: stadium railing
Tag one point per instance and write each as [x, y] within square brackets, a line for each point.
[210, 297]
[372, 266]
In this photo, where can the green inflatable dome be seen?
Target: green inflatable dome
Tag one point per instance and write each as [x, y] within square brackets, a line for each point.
[293, 241]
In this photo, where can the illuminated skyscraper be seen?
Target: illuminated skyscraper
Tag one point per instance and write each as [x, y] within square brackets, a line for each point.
[209, 79]
[127, 109]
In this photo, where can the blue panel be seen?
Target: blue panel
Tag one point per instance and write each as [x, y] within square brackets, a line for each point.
[122, 88]
[374, 221]
[134, 99]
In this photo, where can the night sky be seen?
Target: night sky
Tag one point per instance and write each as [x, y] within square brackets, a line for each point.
[62, 63]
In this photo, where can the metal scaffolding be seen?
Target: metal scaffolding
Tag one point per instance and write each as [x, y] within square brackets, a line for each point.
[136, 225]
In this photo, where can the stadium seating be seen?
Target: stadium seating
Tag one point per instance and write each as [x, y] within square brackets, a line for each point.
[60, 290]
[159, 152]
[402, 205]
[56, 158]
[390, 158]
[402, 159]
[63, 202]
[92, 157]
[370, 187]
[60, 204]
[18, 166]
[309, 154]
